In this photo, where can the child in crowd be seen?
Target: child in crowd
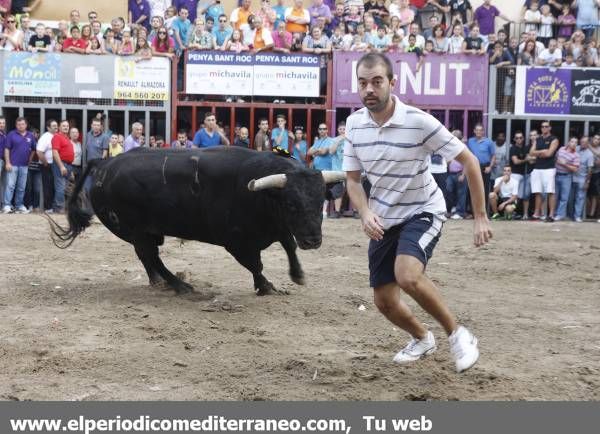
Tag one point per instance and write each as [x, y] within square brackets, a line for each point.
[532, 17]
[352, 19]
[396, 44]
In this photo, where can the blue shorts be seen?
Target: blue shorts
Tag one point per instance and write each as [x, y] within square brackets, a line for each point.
[415, 237]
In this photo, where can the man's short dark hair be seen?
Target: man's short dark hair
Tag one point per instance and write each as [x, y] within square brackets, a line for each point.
[21, 118]
[209, 114]
[182, 132]
[261, 120]
[48, 122]
[372, 59]
[281, 116]
[209, 18]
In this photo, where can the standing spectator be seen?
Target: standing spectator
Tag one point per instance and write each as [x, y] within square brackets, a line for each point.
[336, 150]
[200, 39]
[19, 148]
[163, 45]
[381, 42]
[316, 43]
[211, 8]
[546, 31]
[210, 135]
[239, 16]
[521, 165]
[587, 15]
[39, 42]
[261, 140]
[158, 7]
[96, 143]
[456, 187]
[297, 18]
[474, 43]
[282, 39]
[441, 44]
[581, 179]
[299, 148]
[75, 44]
[419, 39]
[462, 7]
[190, 5]
[378, 10]
[279, 10]
[485, 16]
[317, 10]
[262, 40]
[222, 32]
[502, 158]
[77, 153]
[2, 147]
[133, 140]
[126, 47]
[321, 153]
[182, 142]
[566, 22]
[456, 40]
[280, 136]
[544, 174]
[352, 20]
[44, 152]
[181, 29]
[503, 199]
[139, 13]
[594, 190]
[63, 154]
[527, 55]
[155, 23]
[439, 170]
[532, 17]
[485, 151]
[236, 43]
[114, 146]
[27, 32]
[75, 18]
[266, 14]
[243, 139]
[11, 39]
[567, 164]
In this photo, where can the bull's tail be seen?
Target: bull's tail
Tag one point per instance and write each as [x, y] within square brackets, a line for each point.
[78, 216]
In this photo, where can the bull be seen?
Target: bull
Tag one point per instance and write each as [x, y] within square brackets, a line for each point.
[232, 197]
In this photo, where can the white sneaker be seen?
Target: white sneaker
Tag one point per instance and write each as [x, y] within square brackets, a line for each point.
[23, 210]
[463, 346]
[416, 349]
[7, 210]
[456, 217]
[578, 220]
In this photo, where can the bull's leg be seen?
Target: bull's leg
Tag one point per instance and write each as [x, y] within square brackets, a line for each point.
[146, 247]
[296, 273]
[250, 259]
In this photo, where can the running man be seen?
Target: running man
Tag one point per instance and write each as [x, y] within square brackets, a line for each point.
[392, 143]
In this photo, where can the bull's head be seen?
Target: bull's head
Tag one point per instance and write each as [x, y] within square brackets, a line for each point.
[304, 193]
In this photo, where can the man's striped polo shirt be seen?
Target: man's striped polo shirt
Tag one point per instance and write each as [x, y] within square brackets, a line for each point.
[396, 159]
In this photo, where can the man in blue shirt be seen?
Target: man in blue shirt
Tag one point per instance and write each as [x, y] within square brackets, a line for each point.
[485, 151]
[210, 135]
[222, 32]
[320, 151]
[181, 29]
[280, 135]
[211, 8]
[279, 9]
[190, 5]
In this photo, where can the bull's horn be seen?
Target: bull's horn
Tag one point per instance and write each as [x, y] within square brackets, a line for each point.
[331, 176]
[271, 181]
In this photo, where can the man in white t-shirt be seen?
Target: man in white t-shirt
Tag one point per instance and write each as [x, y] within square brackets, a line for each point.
[44, 153]
[403, 217]
[504, 197]
[551, 56]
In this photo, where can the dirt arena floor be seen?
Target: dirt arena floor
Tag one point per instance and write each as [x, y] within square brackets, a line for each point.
[83, 324]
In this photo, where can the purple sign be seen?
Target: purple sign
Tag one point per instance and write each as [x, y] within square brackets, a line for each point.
[548, 91]
[443, 81]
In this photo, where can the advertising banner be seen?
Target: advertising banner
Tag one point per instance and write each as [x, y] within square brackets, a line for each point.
[456, 81]
[32, 74]
[144, 80]
[564, 92]
[265, 74]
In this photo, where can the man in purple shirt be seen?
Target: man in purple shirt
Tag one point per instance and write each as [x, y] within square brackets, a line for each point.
[133, 140]
[485, 16]
[2, 142]
[191, 5]
[318, 9]
[139, 13]
[18, 149]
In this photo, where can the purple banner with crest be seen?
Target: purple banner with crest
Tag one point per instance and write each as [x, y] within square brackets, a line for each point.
[452, 81]
[548, 91]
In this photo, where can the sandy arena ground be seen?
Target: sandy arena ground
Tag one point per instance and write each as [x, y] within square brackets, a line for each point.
[83, 324]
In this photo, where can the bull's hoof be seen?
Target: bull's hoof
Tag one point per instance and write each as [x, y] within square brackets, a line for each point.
[265, 288]
[299, 279]
[181, 287]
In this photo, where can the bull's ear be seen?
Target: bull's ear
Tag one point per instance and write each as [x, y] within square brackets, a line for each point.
[331, 176]
[271, 181]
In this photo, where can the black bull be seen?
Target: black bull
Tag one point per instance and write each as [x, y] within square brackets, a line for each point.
[237, 198]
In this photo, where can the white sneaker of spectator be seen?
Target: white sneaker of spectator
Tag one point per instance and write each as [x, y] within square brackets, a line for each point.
[463, 346]
[416, 349]
[7, 210]
[456, 217]
[23, 210]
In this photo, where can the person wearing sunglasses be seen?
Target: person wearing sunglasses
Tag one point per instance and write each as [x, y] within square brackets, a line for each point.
[222, 32]
[11, 39]
[162, 44]
[544, 174]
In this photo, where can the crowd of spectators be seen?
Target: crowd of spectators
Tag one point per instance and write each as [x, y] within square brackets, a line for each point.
[553, 32]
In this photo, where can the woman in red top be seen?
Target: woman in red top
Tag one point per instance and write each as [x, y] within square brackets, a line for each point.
[162, 44]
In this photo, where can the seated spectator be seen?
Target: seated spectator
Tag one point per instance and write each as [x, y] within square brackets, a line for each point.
[337, 38]
[143, 51]
[504, 197]
[551, 56]
[394, 28]
[532, 17]
[532, 36]
[296, 42]
[316, 42]
[358, 44]
[262, 40]
[527, 55]
[155, 23]
[210, 135]
[111, 45]
[126, 47]
[58, 43]
[490, 42]
[40, 41]
[413, 48]
[282, 39]
[381, 41]
[63, 28]
[364, 37]
[95, 47]
[139, 13]
[299, 148]
[396, 45]
[182, 141]
[336, 19]
[118, 25]
[378, 11]
[428, 47]
[455, 43]
[433, 22]
[209, 24]
[12, 38]
[441, 44]
[235, 43]
[163, 45]
[419, 39]
[239, 16]
[86, 33]
[222, 32]
[352, 19]
[242, 139]
[170, 17]
[569, 61]
[474, 43]
[200, 39]
[319, 10]
[401, 10]
[297, 18]
[75, 44]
